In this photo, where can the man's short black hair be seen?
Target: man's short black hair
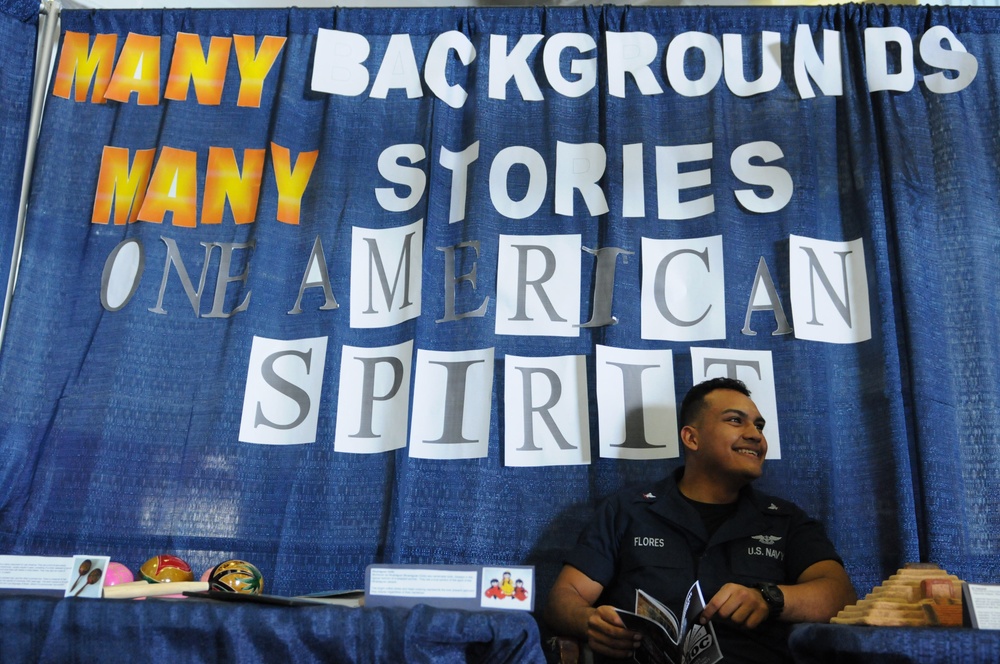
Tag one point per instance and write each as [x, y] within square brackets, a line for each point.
[694, 400]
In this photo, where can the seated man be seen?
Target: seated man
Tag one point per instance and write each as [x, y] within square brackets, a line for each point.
[761, 561]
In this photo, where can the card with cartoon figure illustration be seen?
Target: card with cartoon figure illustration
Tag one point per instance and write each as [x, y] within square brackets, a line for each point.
[508, 588]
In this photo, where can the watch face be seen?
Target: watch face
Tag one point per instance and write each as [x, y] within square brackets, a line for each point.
[772, 593]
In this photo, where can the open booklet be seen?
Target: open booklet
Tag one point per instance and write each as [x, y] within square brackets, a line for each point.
[667, 641]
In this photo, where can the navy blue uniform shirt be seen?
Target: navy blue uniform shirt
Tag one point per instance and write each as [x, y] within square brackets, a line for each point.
[652, 538]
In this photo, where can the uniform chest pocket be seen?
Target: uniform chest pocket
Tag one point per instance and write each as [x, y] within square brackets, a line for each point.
[758, 559]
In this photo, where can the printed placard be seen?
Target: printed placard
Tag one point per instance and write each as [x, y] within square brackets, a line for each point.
[42, 574]
[982, 603]
[76, 576]
[470, 587]
[420, 583]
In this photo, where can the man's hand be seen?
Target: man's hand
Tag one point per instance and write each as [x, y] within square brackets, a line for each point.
[816, 596]
[571, 612]
[738, 604]
[607, 635]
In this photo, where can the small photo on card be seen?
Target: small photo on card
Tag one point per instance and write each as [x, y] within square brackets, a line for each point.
[508, 588]
[86, 576]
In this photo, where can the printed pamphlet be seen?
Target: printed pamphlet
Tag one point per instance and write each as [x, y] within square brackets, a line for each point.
[667, 641]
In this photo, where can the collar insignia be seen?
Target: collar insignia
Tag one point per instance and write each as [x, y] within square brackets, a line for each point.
[648, 495]
[772, 506]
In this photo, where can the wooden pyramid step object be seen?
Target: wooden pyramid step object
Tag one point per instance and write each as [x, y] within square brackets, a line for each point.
[918, 595]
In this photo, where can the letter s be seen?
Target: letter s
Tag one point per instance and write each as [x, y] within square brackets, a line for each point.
[408, 176]
[775, 177]
[290, 390]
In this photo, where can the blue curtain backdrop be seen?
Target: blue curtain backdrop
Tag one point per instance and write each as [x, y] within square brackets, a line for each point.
[119, 432]
[18, 31]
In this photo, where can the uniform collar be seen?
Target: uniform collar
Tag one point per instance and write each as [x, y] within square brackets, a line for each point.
[752, 511]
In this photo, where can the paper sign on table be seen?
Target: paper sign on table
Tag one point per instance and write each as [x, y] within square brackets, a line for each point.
[451, 586]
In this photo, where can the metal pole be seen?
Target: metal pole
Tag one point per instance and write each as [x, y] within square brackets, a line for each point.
[48, 22]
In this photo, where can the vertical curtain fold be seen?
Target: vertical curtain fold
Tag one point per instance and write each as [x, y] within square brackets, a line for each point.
[18, 29]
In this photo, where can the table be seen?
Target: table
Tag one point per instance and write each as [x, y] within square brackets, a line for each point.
[843, 644]
[64, 630]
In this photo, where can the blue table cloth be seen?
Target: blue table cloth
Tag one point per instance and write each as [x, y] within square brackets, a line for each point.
[49, 629]
[843, 644]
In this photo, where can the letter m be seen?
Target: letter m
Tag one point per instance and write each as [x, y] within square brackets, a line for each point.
[79, 63]
[375, 265]
[122, 187]
[386, 275]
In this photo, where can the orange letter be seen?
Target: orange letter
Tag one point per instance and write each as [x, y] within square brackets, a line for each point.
[117, 183]
[255, 67]
[189, 62]
[138, 70]
[291, 181]
[223, 181]
[173, 188]
[76, 60]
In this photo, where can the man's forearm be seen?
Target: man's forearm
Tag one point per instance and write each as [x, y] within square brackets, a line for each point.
[568, 613]
[818, 599]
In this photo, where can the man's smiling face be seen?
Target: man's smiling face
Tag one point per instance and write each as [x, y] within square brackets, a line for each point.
[729, 433]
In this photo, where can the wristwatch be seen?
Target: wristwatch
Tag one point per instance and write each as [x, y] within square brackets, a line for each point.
[774, 598]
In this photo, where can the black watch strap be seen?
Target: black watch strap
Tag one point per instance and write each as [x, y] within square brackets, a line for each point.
[773, 597]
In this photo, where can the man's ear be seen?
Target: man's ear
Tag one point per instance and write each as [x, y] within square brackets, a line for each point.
[689, 437]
